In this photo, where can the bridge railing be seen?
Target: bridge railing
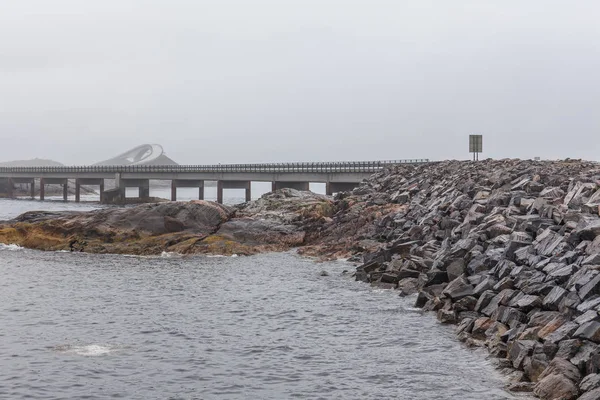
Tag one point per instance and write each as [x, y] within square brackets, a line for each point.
[307, 167]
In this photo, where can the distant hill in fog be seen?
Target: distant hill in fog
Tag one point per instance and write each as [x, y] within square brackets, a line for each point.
[36, 162]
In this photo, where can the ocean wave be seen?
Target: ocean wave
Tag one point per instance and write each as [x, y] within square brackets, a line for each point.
[11, 247]
[169, 254]
[220, 255]
[91, 350]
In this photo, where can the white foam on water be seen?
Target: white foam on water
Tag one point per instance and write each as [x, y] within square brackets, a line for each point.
[91, 350]
[11, 247]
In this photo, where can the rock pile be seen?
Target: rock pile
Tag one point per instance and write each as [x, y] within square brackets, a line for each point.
[508, 250]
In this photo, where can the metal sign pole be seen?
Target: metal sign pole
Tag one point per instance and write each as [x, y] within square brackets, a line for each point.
[475, 146]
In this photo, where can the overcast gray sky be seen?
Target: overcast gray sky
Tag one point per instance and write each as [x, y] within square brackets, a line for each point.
[298, 80]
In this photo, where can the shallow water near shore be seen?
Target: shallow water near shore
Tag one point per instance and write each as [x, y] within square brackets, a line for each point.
[264, 327]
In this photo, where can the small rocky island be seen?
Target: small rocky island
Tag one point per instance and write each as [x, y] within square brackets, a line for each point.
[507, 250]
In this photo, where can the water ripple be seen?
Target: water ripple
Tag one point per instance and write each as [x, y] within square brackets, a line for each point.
[265, 327]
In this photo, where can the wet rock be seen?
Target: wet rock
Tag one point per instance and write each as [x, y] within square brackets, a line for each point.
[553, 299]
[588, 305]
[505, 283]
[590, 382]
[436, 277]
[520, 387]
[465, 326]
[519, 350]
[408, 273]
[588, 316]
[590, 289]
[590, 331]
[408, 286]
[551, 326]
[562, 333]
[562, 274]
[422, 299]
[465, 304]
[584, 355]
[591, 395]
[558, 381]
[387, 277]
[568, 348]
[569, 302]
[455, 269]
[480, 326]
[484, 300]
[446, 316]
[458, 289]
[486, 283]
[535, 365]
[528, 303]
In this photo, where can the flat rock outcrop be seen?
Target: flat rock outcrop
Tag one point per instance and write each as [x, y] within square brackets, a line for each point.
[278, 221]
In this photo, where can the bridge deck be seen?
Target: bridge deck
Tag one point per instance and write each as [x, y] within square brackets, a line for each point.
[338, 176]
[305, 167]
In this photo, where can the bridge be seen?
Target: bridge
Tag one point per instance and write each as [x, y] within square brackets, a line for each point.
[337, 176]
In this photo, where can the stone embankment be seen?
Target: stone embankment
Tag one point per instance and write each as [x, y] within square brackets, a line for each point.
[507, 250]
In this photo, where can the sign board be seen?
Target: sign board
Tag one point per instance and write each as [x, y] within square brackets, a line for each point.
[475, 143]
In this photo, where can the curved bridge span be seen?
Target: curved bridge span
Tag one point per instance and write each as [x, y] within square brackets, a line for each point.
[338, 176]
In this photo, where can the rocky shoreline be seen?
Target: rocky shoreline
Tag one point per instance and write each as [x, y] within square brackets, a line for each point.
[276, 222]
[507, 250]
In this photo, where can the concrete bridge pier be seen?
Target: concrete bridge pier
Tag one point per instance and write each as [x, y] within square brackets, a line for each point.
[143, 186]
[305, 186]
[336, 187]
[246, 185]
[187, 183]
[118, 195]
[88, 182]
[28, 181]
[10, 188]
[54, 181]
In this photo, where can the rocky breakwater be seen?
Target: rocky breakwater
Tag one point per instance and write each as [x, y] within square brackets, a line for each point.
[508, 250]
[277, 221]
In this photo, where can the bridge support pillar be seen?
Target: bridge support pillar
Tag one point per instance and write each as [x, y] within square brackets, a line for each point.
[27, 181]
[88, 182]
[187, 183]
[119, 194]
[144, 191]
[55, 181]
[220, 192]
[11, 188]
[246, 185]
[305, 186]
[101, 190]
[77, 190]
[336, 187]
